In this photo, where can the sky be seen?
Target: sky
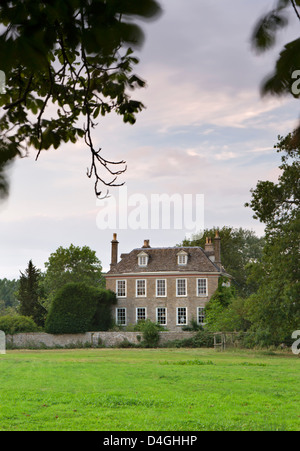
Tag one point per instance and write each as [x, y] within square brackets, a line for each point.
[204, 140]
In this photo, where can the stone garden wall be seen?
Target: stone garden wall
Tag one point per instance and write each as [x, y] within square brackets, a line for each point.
[94, 339]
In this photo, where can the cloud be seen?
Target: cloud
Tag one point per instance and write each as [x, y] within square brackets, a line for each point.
[190, 102]
[205, 131]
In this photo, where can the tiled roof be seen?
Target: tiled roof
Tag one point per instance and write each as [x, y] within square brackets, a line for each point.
[165, 260]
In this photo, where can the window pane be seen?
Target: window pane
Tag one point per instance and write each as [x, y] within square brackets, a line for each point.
[181, 315]
[121, 316]
[201, 315]
[141, 287]
[202, 287]
[181, 287]
[160, 287]
[182, 259]
[143, 260]
[162, 316]
[121, 288]
[140, 314]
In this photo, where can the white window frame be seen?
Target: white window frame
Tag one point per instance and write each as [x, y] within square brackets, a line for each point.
[136, 313]
[125, 316]
[136, 288]
[143, 259]
[166, 315]
[161, 295]
[179, 323]
[198, 287]
[182, 258]
[200, 314]
[177, 291]
[125, 288]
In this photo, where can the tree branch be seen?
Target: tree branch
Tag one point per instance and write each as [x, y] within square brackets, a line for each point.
[23, 98]
[295, 8]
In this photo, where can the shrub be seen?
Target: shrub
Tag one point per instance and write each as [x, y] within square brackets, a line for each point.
[150, 333]
[202, 339]
[149, 330]
[78, 308]
[11, 325]
[103, 319]
[193, 326]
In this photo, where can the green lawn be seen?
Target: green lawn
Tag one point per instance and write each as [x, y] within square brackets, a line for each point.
[149, 390]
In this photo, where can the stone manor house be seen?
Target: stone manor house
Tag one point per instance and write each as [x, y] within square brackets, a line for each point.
[170, 286]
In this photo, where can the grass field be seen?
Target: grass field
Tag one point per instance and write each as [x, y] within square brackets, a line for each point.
[149, 390]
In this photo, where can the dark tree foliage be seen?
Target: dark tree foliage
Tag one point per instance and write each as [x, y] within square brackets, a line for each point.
[240, 249]
[71, 264]
[15, 324]
[275, 308]
[8, 290]
[29, 295]
[66, 63]
[79, 308]
[275, 204]
[102, 319]
[285, 79]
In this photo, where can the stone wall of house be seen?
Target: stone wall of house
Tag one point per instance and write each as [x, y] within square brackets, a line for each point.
[107, 339]
[171, 302]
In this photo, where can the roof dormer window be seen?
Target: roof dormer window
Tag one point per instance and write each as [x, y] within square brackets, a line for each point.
[143, 259]
[182, 258]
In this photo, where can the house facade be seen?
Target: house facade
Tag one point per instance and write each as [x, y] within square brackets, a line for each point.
[170, 286]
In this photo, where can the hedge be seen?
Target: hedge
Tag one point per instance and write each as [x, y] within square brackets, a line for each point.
[79, 308]
[14, 324]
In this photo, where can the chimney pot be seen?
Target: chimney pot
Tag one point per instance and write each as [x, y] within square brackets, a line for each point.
[209, 247]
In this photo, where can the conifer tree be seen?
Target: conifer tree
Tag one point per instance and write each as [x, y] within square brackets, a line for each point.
[29, 295]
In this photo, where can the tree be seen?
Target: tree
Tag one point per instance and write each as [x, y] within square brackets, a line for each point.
[8, 289]
[103, 319]
[66, 63]
[72, 264]
[225, 311]
[79, 308]
[275, 308]
[240, 249]
[285, 78]
[29, 295]
[277, 204]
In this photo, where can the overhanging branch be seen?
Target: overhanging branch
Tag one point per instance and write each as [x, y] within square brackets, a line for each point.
[295, 8]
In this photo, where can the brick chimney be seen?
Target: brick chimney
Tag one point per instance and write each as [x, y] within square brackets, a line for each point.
[146, 244]
[114, 251]
[209, 247]
[218, 249]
